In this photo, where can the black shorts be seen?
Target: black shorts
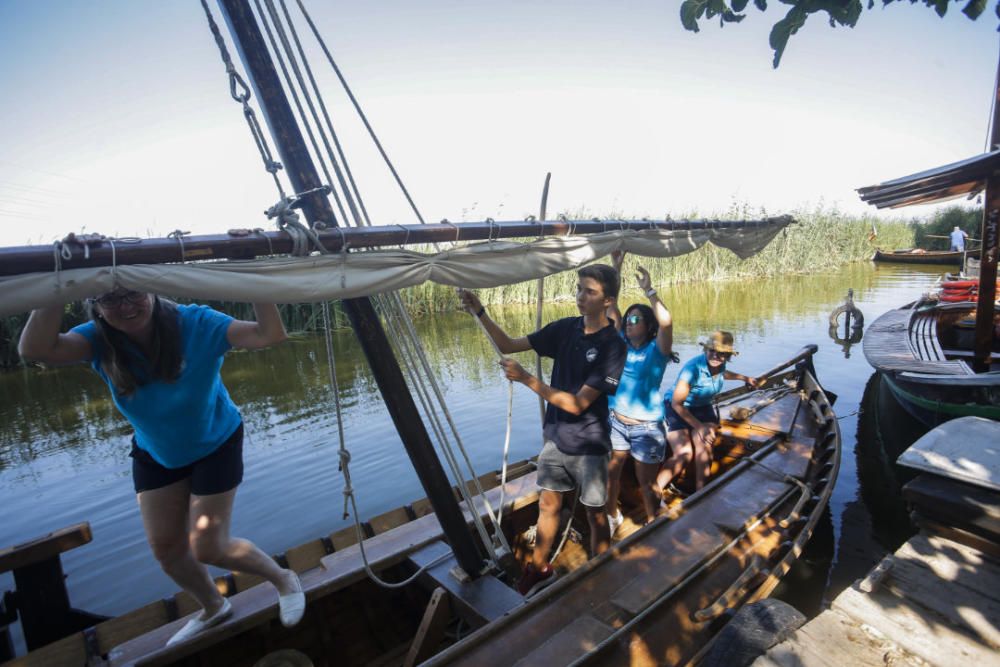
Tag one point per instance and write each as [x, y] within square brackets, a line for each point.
[220, 471]
[703, 413]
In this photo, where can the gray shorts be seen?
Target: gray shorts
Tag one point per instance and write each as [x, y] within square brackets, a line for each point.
[564, 472]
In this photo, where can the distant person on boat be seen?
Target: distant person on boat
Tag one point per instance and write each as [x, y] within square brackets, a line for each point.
[958, 239]
[588, 359]
[692, 420]
[637, 407]
[161, 362]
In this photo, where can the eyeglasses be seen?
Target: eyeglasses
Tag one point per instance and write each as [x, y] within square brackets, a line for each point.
[116, 299]
[633, 319]
[723, 355]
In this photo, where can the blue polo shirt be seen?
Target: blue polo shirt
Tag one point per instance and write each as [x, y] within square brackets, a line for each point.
[182, 421]
[639, 395]
[704, 385]
[595, 360]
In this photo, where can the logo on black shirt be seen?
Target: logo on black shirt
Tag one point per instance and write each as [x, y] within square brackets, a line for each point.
[591, 354]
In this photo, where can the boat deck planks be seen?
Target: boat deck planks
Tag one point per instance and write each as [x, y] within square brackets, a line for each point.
[259, 604]
[938, 603]
[888, 347]
[612, 588]
[770, 420]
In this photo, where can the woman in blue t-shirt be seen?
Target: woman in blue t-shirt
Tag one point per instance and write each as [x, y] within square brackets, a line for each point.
[691, 417]
[161, 362]
[637, 407]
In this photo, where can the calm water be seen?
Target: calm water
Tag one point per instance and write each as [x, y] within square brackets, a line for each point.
[64, 450]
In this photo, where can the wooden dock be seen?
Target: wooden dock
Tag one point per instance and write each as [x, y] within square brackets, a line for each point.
[933, 602]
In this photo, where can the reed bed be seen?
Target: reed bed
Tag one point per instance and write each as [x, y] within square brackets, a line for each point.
[821, 240]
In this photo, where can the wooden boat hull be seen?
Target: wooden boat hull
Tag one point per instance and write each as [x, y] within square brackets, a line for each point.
[918, 351]
[928, 257]
[658, 596]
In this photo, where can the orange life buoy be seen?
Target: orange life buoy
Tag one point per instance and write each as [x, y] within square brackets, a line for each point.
[956, 297]
[956, 284]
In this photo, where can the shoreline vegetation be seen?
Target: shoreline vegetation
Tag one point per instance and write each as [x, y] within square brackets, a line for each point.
[821, 240]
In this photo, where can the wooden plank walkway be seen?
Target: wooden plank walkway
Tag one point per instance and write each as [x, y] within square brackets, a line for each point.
[938, 603]
[891, 345]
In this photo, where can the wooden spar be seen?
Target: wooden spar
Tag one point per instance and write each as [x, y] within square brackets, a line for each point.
[366, 324]
[244, 244]
[988, 255]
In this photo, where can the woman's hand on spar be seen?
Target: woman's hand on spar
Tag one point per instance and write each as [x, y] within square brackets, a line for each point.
[642, 277]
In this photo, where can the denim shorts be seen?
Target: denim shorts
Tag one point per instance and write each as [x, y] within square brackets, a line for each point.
[561, 472]
[647, 440]
[703, 413]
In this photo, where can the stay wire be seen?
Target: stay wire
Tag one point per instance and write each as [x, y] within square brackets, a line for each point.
[294, 92]
[329, 123]
[409, 347]
[361, 113]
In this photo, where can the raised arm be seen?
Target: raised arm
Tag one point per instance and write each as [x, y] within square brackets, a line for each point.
[266, 331]
[575, 404]
[505, 343]
[41, 341]
[613, 313]
[664, 321]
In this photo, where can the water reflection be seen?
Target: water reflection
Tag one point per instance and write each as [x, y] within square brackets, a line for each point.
[64, 449]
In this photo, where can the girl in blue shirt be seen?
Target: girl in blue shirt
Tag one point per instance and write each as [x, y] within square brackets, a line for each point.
[637, 407]
[691, 417]
[161, 362]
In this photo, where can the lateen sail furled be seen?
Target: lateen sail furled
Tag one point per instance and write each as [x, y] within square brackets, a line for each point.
[348, 275]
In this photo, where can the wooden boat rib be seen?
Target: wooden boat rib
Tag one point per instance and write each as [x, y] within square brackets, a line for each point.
[658, 597]
[925, 257]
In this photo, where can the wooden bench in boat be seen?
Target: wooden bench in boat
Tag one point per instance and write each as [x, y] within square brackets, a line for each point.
[42, 602]
[339, 569]
[906, 340]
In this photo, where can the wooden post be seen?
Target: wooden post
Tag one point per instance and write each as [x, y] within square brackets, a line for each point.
[988, 254]
[366, 324]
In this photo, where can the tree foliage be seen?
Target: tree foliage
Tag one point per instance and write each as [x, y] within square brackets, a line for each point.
[969, 220]
[839, 13]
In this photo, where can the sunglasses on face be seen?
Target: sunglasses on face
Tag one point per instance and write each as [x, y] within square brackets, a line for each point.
[722, 355]
[116, 299]
[633, 319]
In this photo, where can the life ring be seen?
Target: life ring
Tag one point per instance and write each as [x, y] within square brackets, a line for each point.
[957, 284]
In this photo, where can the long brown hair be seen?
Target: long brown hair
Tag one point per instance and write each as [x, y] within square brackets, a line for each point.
[119, 360]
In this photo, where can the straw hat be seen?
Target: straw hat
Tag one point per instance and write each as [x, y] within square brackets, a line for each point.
[285, 658]
[720, 341]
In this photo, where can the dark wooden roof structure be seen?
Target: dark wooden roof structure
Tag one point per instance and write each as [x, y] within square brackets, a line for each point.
[965, 178]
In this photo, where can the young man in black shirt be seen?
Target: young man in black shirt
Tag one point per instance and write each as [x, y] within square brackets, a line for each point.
[589, 356]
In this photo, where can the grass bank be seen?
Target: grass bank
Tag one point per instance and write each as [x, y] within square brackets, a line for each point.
[820, 241]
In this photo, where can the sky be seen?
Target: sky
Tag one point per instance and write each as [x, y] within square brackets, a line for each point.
[117, 117]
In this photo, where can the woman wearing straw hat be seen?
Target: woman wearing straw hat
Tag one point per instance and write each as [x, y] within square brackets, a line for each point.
[691, 418]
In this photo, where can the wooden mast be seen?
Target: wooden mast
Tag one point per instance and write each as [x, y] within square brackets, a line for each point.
[366, 324]
[988, 254]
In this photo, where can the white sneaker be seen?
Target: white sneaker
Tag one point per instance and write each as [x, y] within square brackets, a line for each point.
[615, 522]
[292, 607]
[200, 622]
